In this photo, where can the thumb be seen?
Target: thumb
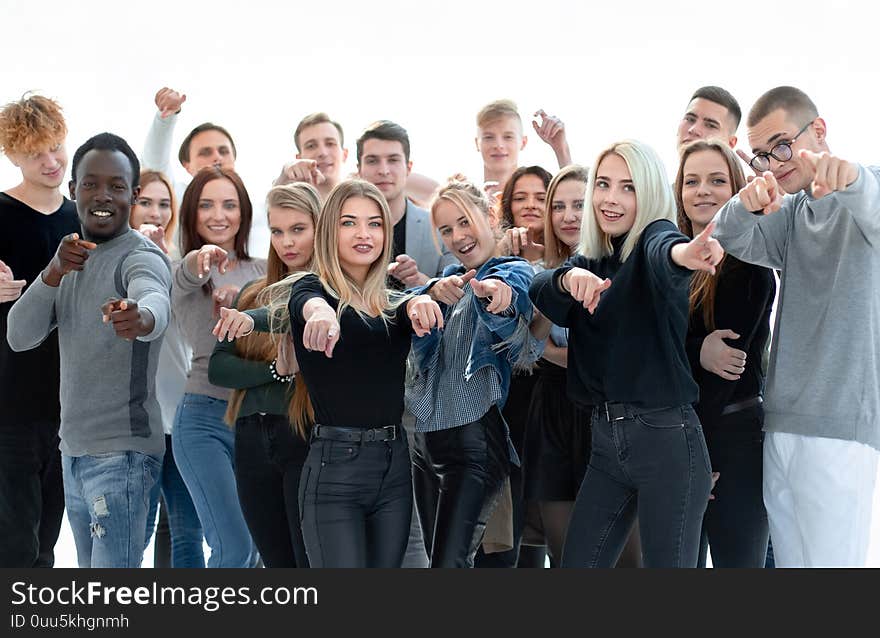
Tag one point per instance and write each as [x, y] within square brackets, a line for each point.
[727, 334]
[331, 344]
[470, 274]
[707, 231]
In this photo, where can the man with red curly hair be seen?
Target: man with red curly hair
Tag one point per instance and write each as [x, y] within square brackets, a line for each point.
[35, 216]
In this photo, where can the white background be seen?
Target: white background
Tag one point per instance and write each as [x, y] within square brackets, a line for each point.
[609, 70]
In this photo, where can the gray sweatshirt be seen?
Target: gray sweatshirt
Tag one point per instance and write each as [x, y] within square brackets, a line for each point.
[824, 376]
[194, 308]
[108, 401]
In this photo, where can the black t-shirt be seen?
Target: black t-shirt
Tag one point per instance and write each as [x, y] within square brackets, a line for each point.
[362, 385]
[743, 301]
[398, 247]
[632, 350]
[29, 380]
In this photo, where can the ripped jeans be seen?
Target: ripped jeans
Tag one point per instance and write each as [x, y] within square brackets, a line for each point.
[107, 498]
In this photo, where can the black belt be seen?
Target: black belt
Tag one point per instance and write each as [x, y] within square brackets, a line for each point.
[619, 411]
[354, 435]
[739, 406]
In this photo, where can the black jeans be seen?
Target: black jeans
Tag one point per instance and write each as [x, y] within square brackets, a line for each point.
[269, 458]
[458, 474]
[31, 494]
[735, 524]
[355, 502]
[657, 461]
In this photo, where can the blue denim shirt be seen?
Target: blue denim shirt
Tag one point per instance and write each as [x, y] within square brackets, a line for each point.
[501, 341]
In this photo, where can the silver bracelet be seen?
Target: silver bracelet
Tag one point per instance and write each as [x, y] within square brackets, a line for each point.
[281, 378]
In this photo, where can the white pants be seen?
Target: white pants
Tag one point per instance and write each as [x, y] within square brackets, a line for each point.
[819, 494]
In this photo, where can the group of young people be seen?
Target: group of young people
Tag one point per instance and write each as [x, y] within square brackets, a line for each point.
[568, 365]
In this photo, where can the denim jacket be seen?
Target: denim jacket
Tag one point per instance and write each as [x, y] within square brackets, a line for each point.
[502, 341]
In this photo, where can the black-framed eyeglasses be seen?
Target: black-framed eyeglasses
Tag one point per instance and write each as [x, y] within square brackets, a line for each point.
[781, 152]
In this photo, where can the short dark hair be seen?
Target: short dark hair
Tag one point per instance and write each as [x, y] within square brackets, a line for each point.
[387, 131]
[311, 120]
[788, 98]
[723, 97]
[108, 142]
[183, 154]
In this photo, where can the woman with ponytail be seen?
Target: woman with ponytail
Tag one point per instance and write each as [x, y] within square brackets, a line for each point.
[269, 405]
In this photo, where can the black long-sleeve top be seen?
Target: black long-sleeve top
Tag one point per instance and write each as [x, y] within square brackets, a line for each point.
[743, 301]
[632, 350]
[362, 385]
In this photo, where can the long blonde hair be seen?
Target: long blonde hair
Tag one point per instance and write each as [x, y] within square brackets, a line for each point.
[377, 298]
[261, 346]
[556, 252]
[653, 199]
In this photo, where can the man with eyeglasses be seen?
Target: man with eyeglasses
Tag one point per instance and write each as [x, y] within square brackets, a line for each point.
[816, 217]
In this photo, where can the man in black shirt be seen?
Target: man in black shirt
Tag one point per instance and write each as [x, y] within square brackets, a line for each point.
[35, 216]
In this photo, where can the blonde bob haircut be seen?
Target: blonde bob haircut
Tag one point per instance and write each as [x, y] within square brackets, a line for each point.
[378, 300]
[556, 252]
[653, 199]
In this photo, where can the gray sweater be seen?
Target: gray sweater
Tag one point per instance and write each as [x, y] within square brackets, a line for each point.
[108, 401]
[824, 376]
[194, 308]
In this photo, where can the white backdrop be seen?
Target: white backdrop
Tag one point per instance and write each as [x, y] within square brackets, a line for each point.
[621, 69]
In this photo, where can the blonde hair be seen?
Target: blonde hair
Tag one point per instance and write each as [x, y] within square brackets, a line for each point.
[556, 252]
[469, 199]
[260, 346]
[149, 176]
[653, 199]
[496, 110]
[377, 298]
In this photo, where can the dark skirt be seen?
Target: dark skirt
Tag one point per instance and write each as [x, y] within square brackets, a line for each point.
[557, 449]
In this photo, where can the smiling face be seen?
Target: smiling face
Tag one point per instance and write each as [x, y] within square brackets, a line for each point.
[292, 233]
[566, 211]
[793, 175]
[320, 142]
[500, 142]
[103, 193]
[472, 243]
[614, 196]
[219, 214]
[527, 204]
[360, 236]
[152, 206]
[706, 187]
[44, 169]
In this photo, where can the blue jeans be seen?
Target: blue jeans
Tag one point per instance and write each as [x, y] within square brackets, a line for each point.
[107, 498]
[203, 451]
[657, 461]
[183, 520]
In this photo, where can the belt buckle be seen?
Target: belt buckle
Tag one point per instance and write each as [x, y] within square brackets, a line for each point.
[316, 431]
[608, 415]
[393, 432]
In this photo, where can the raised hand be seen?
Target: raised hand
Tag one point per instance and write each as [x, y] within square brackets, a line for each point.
[830, 173]
[321, 330]
[10, 288]
[449, 290]
[425, 314]
[168, 101]
[517, 242]
[719, 358]
[762, 193]
[405, 269]
[496, 291]
[211, 255]
[232, 324]
[302, 170]
[71, 254]
[703, 252]
[552, 131]
[128, 321]
[585, 287]
[155, 234]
